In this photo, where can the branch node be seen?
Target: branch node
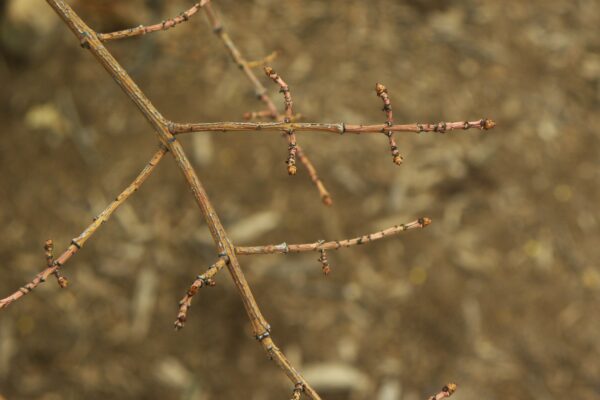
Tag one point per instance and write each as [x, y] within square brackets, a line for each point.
[263, 336]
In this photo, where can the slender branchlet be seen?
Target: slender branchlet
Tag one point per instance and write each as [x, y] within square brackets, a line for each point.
[446, 391]
[382, 92]
[62, 281]
[80, 240]
[338, 128]
[312, 172]
[324, 262]
[206, 279]
[264, 61]
[285, 248]
[289, 114]
[161, 26]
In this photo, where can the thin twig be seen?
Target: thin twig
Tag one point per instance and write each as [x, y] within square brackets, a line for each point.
[62, 281]
[289, 113]
[161, 26]
[206, 279]
[285, 248]
[78, 242]
[382, 92]
[312, 172]
[339, 128]
[261, 92]
[446, 391]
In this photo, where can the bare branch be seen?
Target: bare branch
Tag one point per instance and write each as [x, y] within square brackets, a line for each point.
[162, 26]
[77, 243]
[339, 128]
[387, 107]
[285, 248]
[206, 279]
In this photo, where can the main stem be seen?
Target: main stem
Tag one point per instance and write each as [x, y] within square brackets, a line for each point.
[89, 39]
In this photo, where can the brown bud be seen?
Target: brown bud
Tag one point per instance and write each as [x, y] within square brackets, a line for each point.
[326, 199]
[292, 170]
[398, 159]
[450, 388]
[326, 270]
[269, 71]
[488, 124]
[63, 282]
[424, 221]
[380, 89]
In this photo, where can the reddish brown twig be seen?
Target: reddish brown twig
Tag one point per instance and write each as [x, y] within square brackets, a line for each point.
[264, 61]
[285, 248]
[162, 26]
[382, 92]
[324, 262]
[289, 113]
[446, 391]
[79, 241]
[63, 282]
[206, 279]
[339, 128]
[312, 172]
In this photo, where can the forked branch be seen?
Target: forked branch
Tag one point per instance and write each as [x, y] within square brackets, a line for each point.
[77, 243]
[226, 251]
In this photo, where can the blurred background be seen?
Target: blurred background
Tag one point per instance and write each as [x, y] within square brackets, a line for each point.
[500, 294]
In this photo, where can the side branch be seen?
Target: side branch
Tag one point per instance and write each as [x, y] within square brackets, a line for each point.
[78, 242]
[162, 26]
[206, 279]
[339, 128]
[285, 248]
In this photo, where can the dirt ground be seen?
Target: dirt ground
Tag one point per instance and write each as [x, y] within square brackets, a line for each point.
[500, 294]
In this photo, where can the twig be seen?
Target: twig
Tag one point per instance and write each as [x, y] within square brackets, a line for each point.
[79, 241]
[289, 112]
[324, 262]
[261, 92]
[49, 251]
[312, 172]
[285, 248]
[206, 279]
[446, 391]
[387, 107]
[339, 128]
[162, 26]
[265, 60]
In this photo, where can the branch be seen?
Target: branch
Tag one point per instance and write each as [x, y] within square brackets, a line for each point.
[387, 107]
[162, 26]
[201, 280]
[446, 391]
[77, 243]
[289, 113]
[261, 92]
[285, 248]
[339, 127]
